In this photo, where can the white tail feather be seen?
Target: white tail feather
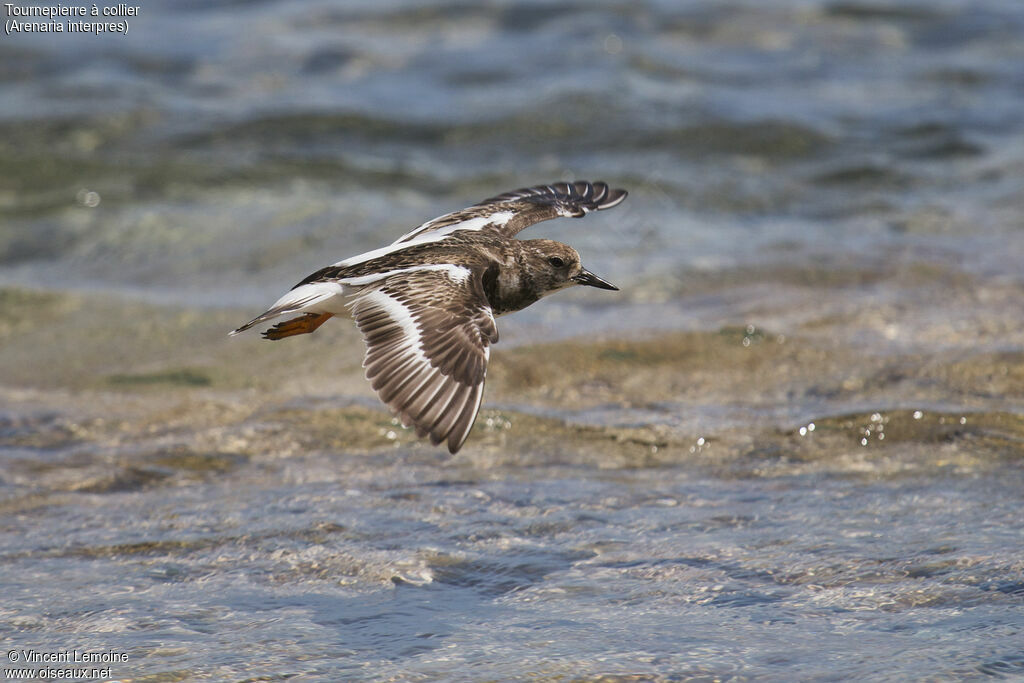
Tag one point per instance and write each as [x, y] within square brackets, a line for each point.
[315, 297]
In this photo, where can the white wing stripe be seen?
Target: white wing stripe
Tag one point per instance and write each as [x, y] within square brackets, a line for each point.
[409, 239]
[402, 317]
[457, 274]
[475, 223]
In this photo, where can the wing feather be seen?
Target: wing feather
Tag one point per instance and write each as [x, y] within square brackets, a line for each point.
[427, 334]
[580, 197]
[511, 212]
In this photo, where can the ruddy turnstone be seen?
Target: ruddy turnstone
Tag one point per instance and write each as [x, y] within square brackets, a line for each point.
[426, 304]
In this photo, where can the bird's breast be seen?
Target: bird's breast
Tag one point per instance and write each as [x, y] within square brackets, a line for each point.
[507, 289]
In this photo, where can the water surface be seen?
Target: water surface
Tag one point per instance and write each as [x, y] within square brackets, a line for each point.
[789, 448]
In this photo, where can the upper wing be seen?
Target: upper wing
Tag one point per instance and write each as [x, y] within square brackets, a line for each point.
[513, 211]
[428, 334]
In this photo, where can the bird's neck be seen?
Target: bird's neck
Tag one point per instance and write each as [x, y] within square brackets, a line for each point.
[509, 287]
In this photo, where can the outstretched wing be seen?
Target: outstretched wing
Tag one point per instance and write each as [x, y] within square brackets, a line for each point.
[511, 212]
[428, 334]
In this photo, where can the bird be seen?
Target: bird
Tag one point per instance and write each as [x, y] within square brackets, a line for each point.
[426, 304]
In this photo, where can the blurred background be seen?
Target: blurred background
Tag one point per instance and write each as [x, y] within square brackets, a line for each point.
[821, 249]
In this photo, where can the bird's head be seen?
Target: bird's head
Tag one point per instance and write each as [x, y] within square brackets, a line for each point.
[555, 266]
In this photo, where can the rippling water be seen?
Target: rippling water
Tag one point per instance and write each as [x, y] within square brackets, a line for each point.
[790, 448]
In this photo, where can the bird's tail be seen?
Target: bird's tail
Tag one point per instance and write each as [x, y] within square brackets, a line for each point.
[310, 298]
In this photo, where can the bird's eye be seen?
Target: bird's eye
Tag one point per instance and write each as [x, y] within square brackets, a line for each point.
[556, 262]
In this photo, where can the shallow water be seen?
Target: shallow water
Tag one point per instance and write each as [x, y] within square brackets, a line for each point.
[790, 448]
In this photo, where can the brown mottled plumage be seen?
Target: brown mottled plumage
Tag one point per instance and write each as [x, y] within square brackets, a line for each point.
[426, 304]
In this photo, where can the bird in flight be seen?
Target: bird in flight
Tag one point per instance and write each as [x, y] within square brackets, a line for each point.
[426, 304]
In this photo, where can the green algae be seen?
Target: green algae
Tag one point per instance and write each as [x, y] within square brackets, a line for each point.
[188, 377]
[186, 459]
[109, 375]
[22, 308]
[98, 343]
[67, 341]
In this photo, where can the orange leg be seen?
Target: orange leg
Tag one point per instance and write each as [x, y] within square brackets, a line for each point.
[304, 324]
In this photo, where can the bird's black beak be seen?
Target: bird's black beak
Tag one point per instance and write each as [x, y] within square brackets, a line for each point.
[587, 278]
